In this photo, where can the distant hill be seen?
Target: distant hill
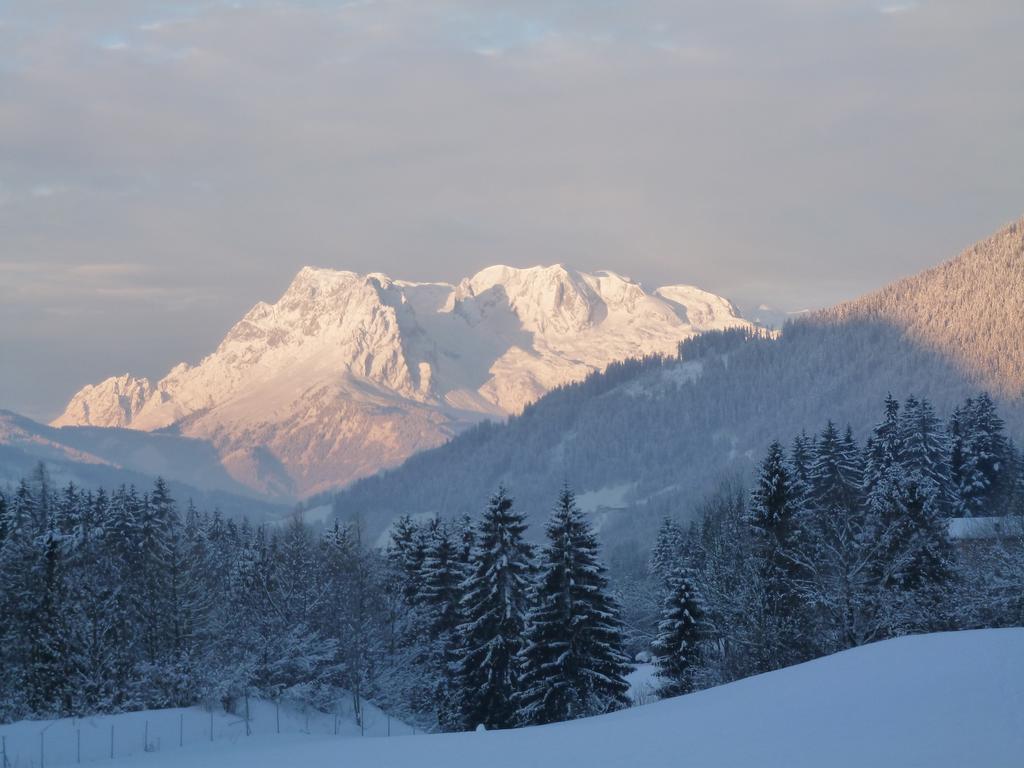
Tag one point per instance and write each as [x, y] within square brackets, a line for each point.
[655, 436]
[92, 457]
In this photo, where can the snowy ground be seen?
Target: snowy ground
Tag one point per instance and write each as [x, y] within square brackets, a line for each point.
[643, 683]
[953, 699]
[182, 731]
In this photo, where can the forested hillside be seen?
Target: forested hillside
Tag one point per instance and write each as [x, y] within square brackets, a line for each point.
[117, 601]
[656, 435]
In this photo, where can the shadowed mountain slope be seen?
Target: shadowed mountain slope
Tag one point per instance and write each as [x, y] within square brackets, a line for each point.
[655, 436]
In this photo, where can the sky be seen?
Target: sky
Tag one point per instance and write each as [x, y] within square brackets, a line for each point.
[166, 165]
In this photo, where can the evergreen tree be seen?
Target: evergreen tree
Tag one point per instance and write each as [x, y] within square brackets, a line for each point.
[680, 633]
[440, 596]
[884, 449]
[799, 470]
[834, 478]
[925, 452]
[835, 552]
[775, 528]
[572, 663]
[769, 502]
[157, 530]
[668, 548]
[980, 456]
[20, 595]
[851, 464]
[495, 606]
[3, 518]
[94, 620]
[406, 551]
[351, 610]
[47, 675]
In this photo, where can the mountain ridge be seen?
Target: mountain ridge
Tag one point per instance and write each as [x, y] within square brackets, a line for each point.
[94, 457]
[658, 436]
[347, 373]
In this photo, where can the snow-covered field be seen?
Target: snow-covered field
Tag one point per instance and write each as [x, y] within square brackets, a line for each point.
[192, 734]
[952, 699]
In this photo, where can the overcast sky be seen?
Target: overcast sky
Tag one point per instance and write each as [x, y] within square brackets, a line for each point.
[164, 165]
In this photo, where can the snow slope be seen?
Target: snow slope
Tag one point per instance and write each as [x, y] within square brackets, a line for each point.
[951, 699]
[346, 373]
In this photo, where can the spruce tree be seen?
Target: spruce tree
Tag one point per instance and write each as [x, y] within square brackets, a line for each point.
[668, 548]
[835, 482]
[157, 529]
[47, 678]
[884, 449]
[495, 604]
[925, 451]
[775, 527]
[835, 549]
[440, 598]
[572, 664]
[799, 470]
[406, 551]
[680, 633]
[980, 458]
[769, 501]
[20, 596]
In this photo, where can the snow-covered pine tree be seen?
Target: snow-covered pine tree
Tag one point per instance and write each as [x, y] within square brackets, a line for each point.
[406, 551]
[351, 610]
[834, 552]
[963, 473]
[851, 463]
[980, 456]
[440, 596]
[495, 603]
[835, 485]
[925, 451]
[801, 454]
[465, 532]
[884, 448]
[19, 597]
[182, 671]
[769, 501]
[572, 664]
[48, 674]
[929, 552]
[680, 633]
[157, 531]
[296, 656]
[94, 621]
[3, 518]
[668, 549]
[775, 527]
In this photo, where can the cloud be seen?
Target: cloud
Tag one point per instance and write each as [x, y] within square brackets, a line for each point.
[46, 190]
[898, 8]
[112, 42]
[70, 287]
[795, 152]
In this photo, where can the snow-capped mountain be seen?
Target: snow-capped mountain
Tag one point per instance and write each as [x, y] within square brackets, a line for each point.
[346, 373]
[654, 439]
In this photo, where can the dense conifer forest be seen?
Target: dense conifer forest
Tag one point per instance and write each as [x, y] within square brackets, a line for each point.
[123, 599]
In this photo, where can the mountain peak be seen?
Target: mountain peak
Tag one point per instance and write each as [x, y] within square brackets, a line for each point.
[114, 402]
[347, 373]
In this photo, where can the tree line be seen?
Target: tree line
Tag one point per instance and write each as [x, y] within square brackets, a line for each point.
[839, 545]
[116, 602]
